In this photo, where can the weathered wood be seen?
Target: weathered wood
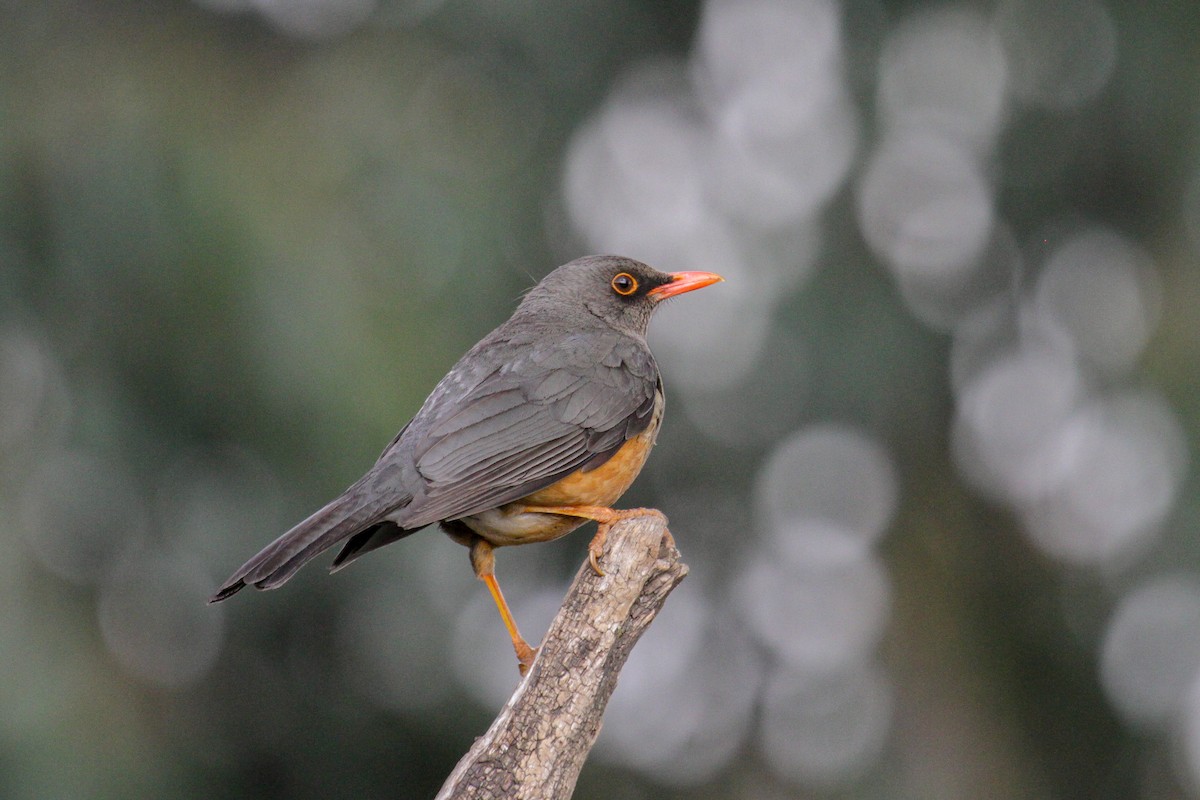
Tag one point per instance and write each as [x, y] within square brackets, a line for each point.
[536, 747]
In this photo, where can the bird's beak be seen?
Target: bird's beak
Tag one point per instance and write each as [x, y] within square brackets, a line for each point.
[684, 282]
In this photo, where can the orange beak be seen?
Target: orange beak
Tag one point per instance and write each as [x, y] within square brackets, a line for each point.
[684, 282]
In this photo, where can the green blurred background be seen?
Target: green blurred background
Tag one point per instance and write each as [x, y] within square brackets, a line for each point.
[927, 451]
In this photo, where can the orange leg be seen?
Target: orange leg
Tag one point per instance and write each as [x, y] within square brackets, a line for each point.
[483, 561]
[605, 517]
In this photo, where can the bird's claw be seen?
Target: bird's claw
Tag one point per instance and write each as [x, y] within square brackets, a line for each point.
[525, 657]
[595, 551]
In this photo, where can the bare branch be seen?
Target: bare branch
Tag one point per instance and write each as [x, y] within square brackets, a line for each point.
[537, 745]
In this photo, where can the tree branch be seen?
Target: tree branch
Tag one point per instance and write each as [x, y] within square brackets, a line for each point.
[537, 745]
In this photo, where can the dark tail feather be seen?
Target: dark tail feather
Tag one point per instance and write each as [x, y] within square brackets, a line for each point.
[372, 538]
[282, 558]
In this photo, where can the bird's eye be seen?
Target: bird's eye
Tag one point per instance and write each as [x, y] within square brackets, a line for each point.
[624, 284]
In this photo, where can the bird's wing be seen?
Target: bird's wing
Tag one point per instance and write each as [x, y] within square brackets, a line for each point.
[560, 407]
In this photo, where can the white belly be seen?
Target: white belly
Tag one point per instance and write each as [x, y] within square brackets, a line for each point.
[507, 526]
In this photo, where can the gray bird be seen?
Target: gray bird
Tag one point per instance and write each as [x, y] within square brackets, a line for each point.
[540, 427]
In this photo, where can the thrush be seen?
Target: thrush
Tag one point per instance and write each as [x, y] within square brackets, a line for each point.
[539, 428]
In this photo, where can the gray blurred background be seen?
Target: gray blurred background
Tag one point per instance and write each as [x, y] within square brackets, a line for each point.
[928, 451]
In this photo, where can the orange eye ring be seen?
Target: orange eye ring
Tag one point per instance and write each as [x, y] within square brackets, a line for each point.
[624, 284]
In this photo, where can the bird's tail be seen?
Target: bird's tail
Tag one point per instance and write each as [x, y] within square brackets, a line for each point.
[367, 540]
[356, 509]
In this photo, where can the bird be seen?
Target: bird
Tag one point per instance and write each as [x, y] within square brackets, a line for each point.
[540, 427]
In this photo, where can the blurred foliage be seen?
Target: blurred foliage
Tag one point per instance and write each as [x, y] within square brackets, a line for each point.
[240, 241]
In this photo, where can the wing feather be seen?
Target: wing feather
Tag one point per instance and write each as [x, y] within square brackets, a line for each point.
[527, 425]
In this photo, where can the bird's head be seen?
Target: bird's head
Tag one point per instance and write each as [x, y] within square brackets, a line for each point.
[621, 292]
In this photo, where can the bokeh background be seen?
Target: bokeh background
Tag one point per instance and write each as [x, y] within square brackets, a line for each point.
[929, 452]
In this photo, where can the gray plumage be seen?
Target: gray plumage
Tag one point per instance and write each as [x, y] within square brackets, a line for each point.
[559, 387]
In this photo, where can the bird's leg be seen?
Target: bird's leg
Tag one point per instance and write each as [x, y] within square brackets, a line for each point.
[605, 517]
[483, 561]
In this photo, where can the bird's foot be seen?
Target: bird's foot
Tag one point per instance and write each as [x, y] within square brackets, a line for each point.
[605, 517]
[596, 549]
[596, 546]
[525, 656]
